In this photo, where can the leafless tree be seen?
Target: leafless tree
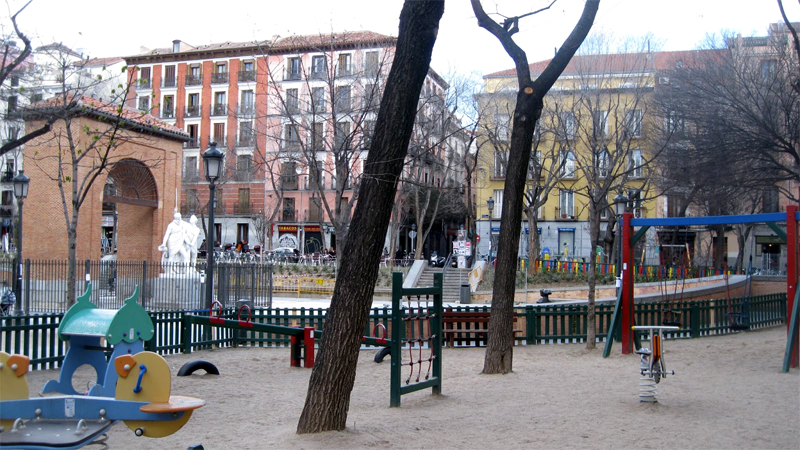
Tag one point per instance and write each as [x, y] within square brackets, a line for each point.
[528, 109]
[333, 375]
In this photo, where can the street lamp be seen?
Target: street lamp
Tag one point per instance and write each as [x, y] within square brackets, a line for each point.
[490, 206]
[413, 238]
[20, 191]
[620, 204]
[212, 163]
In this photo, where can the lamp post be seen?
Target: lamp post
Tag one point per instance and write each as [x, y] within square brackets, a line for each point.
[413, 236]
[212, 163]
[490, 206]
[20, 191]
[620, 203]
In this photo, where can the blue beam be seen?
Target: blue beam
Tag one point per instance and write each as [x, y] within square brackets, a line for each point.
[711, 220]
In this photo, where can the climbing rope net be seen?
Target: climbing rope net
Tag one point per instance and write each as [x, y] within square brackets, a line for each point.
[419, 337]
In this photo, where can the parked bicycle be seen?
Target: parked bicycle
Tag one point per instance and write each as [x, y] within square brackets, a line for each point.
[7, 301]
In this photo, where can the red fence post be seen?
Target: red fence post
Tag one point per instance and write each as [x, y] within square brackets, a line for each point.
[308, 340]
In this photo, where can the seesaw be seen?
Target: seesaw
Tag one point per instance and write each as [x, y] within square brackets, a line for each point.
[133, 387]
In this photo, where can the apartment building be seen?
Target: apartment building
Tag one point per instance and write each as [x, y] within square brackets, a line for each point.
[605, 129]
[294, 117]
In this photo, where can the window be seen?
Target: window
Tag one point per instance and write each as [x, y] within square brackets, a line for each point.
[369, 132]
[566, 203]
[315, 174]
[291, 139]
[292, 101]
[293, 69]
[191, 200]
[242, 232]
[168, 107]
[635, 202]
[771, 202]
[247, 105]
[343, 98]
[192, 131]
[315, 210]
[243, 207]
[220, 74]
[497, 211]
[344, 69]
[636, 163]
[371, 66]
[674, 123]
[566, 125]
[289, 175]
[317, 138]
[288, 210]
[244, 163]
[194, 77]
[190, 168]
[193, 105]
[371, 97]
[318, 67]
[502, 122]
[568, 164]
[246, 136]
[144, 78]
[633, 123]
[600, 123]
[318, 100]
[768, 69]
[500, 163]
[169, 76]
[219, 134]
[602, 163]
[342, 135]
[248, 72]
[12, 103]
[144, 103]
[220, 104]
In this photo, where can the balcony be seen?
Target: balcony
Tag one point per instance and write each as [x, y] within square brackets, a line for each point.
[318, 75]
[193, 80]
[167, 113]
[219, 78]
[289, 215]
[144, 84]
[222, 141]
[292, 76]
[168, 82]
[344, 71]
[247, 75]
[246, 141]
[245, 175]
[243, 208]
[192, 143]
[6, 211]
[193, 111]
[191, 175]
[7, 177]
[247, 109]
[220, 110]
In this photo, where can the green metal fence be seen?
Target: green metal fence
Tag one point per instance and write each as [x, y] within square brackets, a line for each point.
[36, 335]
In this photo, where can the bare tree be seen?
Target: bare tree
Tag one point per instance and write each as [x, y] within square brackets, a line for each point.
[528, 110]
[333, 375]
[86, 150]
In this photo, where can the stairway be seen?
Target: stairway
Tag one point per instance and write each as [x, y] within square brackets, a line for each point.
[451, 284]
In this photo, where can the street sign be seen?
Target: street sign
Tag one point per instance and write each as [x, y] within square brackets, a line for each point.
[412, 234]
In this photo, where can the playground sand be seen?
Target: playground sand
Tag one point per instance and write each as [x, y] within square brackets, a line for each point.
[728, 392]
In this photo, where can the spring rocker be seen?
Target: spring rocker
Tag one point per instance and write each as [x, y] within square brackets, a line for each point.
[134, 386]
[652, 367]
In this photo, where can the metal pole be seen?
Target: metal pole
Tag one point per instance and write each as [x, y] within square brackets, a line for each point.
[18, 283]
[212, 203]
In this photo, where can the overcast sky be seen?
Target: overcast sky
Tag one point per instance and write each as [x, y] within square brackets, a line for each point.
[112, 28]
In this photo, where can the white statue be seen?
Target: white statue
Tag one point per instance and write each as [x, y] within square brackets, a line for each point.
[176, 256]
[191, 232]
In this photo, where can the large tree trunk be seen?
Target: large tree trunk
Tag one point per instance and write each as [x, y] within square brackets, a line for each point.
[594, 235]
[333, 376]
[528, 109]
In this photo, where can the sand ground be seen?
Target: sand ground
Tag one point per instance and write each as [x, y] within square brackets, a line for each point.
[727, 392]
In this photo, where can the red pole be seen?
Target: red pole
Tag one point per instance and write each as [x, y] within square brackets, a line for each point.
[791, 270]
[308, 341]
[627, 285]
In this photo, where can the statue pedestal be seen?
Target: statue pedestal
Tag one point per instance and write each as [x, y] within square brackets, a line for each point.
[180, 291]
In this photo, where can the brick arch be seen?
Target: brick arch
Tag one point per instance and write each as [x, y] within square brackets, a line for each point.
[132, 183]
